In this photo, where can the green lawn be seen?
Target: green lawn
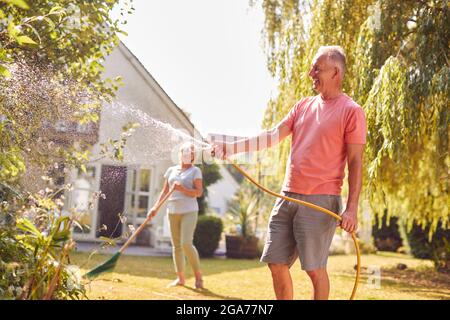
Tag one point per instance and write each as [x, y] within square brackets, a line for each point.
[147, 278]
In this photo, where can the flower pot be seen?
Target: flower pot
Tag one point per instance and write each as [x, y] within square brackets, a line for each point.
[240, 247]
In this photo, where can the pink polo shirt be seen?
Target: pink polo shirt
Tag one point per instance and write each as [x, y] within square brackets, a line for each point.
[320, 131]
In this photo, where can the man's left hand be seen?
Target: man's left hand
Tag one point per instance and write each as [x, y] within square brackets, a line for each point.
[349, 220]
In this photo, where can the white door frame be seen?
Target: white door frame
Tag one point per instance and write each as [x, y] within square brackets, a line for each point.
[73, 175]
[131, 215]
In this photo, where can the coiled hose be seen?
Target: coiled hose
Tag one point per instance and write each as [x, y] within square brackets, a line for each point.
[355, 240]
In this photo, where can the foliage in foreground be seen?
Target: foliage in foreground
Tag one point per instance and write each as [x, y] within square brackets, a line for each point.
[51, 55]
[35, 242]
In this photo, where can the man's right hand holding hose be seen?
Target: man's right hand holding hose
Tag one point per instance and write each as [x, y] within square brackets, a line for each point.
[222, 150]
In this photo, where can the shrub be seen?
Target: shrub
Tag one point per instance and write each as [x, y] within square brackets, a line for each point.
[387, 237]
[207, 235]
[35, 243]
[367, 247]
[243, 211]
[437, 249]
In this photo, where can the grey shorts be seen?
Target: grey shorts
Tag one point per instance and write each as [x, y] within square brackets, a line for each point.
[298, 231]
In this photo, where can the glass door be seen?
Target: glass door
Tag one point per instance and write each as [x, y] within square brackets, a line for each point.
[83, 201]
[138, 196]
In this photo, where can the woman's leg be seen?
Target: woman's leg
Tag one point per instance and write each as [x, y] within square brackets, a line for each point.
[177, 248]
[188, 224]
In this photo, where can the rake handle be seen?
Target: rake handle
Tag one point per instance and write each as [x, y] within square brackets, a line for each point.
[142, 226]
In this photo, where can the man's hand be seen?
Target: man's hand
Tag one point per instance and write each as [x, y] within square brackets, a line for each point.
[349, 220]
[222, 150]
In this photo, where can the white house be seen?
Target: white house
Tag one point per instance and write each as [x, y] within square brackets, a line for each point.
[130, 187]
[221, 192]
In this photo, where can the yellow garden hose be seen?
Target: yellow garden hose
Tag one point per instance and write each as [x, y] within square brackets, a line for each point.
[355, 240]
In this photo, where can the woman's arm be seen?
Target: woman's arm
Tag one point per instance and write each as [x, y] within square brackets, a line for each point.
[163, 193]
[195, 193]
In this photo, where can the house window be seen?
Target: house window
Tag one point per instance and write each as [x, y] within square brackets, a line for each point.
[138, 193]
[83, 200]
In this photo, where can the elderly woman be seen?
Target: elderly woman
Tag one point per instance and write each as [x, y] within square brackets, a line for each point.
[182, 208]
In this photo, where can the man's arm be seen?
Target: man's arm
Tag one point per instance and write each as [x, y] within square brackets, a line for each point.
[354, 158]
[265, 139]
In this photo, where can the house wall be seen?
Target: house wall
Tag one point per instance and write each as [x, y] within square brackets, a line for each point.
[148, 147]
[151, 146]
[221, 192]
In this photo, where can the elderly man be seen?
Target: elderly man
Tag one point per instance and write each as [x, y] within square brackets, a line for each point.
[328, 131]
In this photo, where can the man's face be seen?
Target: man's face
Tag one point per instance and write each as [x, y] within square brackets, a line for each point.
[322, 72]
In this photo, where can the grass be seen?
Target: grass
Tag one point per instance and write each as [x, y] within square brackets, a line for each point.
[147, 277]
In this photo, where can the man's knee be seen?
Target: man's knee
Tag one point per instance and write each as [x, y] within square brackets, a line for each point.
[317, 273]
[278, 268]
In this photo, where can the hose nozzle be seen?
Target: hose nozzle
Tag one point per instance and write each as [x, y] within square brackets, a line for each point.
[208, 153]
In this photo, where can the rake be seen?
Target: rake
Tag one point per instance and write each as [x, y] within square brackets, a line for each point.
[110, 264]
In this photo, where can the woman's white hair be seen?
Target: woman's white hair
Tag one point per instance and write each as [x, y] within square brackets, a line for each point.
[187, 146]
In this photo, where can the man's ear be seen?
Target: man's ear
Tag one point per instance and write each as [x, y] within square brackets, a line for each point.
[336, 72]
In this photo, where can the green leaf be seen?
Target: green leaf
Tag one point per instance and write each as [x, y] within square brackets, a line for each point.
[61, 236]
[108, 241]
[25, 40]
[55, 9]
[50, 22]
[27, 226]
[12, 31]
[18, 3]
[119, 154]
[4, 71]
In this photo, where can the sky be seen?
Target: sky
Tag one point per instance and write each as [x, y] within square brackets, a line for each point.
[208, 57]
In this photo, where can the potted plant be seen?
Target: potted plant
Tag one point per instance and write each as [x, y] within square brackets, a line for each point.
[242, 243]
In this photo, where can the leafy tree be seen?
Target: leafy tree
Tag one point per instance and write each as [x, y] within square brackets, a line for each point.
[51, 55]
[211, 175]
[398, 71]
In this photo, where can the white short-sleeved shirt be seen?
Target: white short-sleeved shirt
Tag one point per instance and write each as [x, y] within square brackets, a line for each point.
[178, 202]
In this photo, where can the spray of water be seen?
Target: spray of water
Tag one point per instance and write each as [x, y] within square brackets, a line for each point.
[38, 100]
[161, 139]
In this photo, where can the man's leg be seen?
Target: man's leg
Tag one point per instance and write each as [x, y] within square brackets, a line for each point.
[282, 281]
[314, 232]
[280, 250]
[320, 282]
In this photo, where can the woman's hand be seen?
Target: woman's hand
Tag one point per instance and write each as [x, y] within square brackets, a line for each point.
[178, 186]
[152, 212]
[194, 193]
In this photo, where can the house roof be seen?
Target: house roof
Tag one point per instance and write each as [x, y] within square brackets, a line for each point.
[147, 75]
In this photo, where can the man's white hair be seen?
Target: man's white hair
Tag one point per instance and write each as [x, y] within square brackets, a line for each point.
[335, 54]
